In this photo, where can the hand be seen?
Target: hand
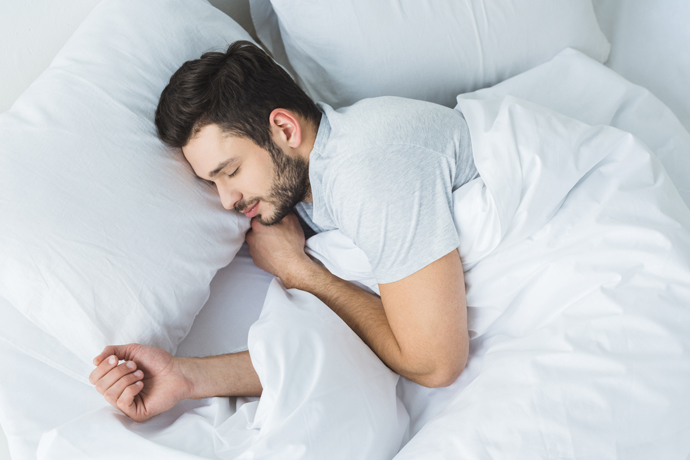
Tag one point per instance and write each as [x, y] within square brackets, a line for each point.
[279, 249]
[155, 387]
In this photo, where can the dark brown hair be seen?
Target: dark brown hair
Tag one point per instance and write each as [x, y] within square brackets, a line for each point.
[237, 90]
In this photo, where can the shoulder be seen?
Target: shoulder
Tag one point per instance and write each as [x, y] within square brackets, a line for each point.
[386, 122]
[394, 112]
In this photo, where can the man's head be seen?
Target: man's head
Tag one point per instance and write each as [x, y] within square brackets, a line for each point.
[241, 112]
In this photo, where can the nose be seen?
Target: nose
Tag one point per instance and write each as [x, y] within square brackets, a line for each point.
[229, 198]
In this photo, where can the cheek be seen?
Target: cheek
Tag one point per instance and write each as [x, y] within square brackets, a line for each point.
[268, 173]
[259, 178]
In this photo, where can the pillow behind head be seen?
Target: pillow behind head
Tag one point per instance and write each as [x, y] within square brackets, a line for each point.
[106, 236]
[348, 50]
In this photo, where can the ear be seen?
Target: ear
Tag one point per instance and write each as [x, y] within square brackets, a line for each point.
[286, 126]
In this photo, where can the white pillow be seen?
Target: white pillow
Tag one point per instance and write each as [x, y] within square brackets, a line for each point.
[348, 50]
[106, 236]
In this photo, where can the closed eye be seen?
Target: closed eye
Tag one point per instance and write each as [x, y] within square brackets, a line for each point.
[234, 173]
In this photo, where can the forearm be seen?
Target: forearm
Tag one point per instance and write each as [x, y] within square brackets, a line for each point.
[364, 313]
[224, 375]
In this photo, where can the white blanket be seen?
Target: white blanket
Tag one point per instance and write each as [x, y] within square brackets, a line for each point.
[576, 247]
[577, 251]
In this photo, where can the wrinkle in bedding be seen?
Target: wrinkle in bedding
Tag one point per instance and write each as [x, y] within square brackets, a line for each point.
[574, 351]
[612, 358]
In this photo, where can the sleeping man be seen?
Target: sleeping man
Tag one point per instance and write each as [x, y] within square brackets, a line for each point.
[382, 171]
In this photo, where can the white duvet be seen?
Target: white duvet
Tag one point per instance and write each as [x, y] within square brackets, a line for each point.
[577, 250]
[576, 247]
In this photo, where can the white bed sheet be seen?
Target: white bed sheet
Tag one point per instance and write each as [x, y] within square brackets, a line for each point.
[576, 247]
[649, 42]
[578, 87]
[624, 103]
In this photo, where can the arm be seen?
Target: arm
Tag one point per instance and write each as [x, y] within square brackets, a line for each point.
[419, 325]
[225, 375]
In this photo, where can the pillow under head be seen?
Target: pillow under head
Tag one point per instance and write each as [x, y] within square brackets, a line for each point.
[106, 236]
[344, 51]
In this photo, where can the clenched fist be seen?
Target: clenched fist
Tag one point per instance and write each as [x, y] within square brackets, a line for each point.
[279, 250]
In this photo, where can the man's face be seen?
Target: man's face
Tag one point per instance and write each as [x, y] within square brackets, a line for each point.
[248, 178]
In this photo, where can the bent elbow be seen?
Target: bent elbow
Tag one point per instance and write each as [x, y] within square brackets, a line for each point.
[441, 379]
[444, 376]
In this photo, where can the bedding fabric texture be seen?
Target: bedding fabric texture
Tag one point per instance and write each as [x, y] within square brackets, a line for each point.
[325, 395]
[43, 385]
[576, 247]
[576, 86]
[106, 236]
[577, 250]
[345, 51]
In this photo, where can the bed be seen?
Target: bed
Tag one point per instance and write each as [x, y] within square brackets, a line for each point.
[621, 368]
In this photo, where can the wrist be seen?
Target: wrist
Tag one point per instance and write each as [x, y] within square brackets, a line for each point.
[189, 369]
[231, 374]
[305, 274]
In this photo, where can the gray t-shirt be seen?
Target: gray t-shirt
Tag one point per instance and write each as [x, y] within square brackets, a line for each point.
[383, 171]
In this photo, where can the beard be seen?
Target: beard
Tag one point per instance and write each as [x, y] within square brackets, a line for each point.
[290, 185]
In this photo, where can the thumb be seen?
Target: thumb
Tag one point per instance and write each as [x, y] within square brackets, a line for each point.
[123, 352]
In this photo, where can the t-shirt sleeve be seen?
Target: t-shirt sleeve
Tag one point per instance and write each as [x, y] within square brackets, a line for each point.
[395, 203]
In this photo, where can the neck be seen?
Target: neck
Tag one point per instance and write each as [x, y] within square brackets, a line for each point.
[309, 133]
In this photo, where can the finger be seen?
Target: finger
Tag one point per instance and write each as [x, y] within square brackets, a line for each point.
[126, 401]
[113, 375]
[256, 224]
[112, 394]
[105, 366]
[107, 351]
[122, 351]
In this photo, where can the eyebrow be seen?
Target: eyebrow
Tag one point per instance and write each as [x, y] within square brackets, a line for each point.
[221, 166]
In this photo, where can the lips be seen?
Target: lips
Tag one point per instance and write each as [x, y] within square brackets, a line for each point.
[251, 212]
